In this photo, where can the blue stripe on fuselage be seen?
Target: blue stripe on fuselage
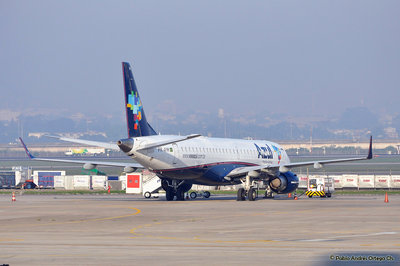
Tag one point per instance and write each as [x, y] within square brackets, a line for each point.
[206, 174]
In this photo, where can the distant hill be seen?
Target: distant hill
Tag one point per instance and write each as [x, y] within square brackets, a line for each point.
[355, 123]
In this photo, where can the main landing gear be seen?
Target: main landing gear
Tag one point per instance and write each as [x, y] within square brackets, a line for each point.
[250, 191]
[251, 194]
[175, 188]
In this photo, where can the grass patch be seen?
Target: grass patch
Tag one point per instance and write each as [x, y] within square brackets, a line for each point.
[337, 192]
[60, 192]
[218, 192]
[213, 192]
[366, 192]
[359, 192]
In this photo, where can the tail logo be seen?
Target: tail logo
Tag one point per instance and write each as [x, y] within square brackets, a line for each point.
[135, 105]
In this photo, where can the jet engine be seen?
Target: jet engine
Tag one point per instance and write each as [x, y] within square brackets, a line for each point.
[129, 169]
[125, 145]
[89, 166]
[284, 183]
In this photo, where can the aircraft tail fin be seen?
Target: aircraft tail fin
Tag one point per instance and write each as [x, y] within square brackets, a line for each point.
[135, 117]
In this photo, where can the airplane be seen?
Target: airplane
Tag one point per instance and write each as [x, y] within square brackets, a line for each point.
[181, 161]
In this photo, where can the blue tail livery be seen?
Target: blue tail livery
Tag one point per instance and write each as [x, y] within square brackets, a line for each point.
[136, 119]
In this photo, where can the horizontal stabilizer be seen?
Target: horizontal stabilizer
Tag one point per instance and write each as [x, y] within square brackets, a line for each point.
[106, 145]
[94, 163]
[162, 143]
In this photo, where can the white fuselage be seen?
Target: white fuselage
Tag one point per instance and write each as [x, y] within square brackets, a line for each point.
[203, 152]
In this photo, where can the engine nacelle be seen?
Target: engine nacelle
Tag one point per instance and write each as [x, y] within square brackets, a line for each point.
[284, 183]
[89, 166]
[129, 169]
[125, 145]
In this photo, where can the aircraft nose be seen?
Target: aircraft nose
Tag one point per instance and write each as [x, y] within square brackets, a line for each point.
[125, 145]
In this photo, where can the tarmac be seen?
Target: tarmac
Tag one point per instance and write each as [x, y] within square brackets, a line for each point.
[131, 230]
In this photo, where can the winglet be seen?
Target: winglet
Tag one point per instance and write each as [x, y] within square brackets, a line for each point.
[369, 157]
[26, 149]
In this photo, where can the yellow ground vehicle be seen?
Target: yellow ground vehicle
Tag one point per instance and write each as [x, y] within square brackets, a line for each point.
[320, 186]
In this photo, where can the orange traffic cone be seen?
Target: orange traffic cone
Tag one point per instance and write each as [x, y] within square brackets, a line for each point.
[13, 197]
[289, 195]
[386, 198]
[296, 198]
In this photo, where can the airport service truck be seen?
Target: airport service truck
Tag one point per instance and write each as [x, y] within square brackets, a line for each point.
[321, 186]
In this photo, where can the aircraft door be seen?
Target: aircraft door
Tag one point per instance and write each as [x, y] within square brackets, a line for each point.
[175, 153]
[237, 153]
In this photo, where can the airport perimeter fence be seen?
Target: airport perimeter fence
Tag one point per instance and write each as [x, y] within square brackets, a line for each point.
[58, 180]
[342, 182]
[357, 182]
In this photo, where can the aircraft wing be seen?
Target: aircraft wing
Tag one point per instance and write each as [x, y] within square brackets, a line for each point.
[241, 171]
[107, 145]
[286, 167]
[85, 162]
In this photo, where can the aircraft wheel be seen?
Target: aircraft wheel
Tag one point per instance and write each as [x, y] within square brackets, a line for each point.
[328, 195]
[180, 194]
[207, 194]
[268, 195]
[252, 194]
[169, 193]
[164, 184]
[310, 196]
[147, 195]
[193, 195]
[241, 194]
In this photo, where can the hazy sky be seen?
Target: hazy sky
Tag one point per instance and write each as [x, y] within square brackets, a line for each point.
[296, 57]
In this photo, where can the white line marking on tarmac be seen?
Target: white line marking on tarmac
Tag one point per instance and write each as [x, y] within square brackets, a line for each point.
[347, 236]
